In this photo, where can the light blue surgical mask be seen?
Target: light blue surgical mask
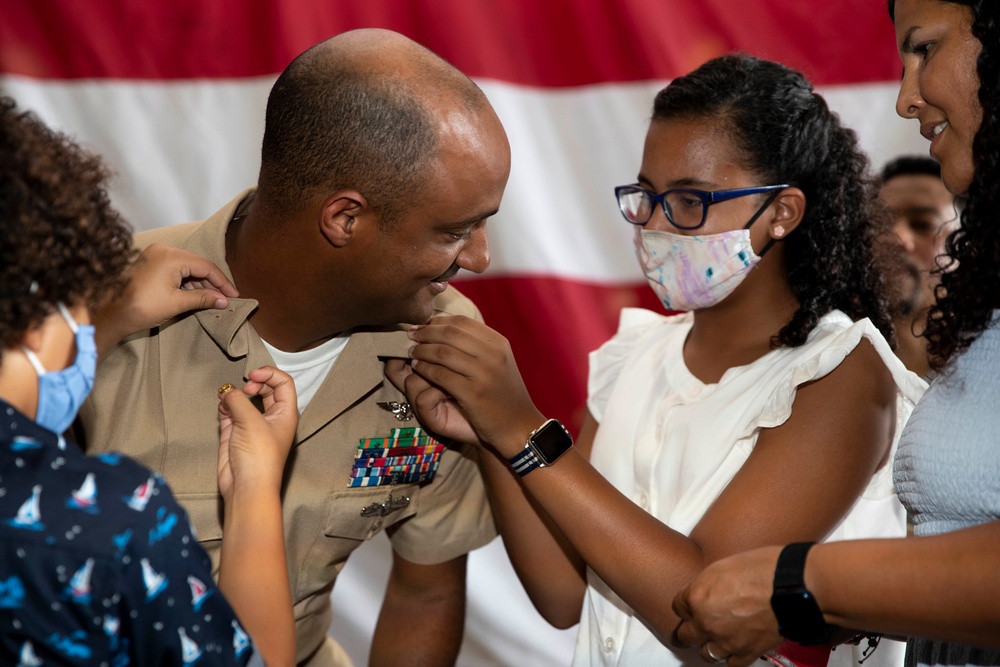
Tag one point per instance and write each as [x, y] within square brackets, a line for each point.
[61, 393]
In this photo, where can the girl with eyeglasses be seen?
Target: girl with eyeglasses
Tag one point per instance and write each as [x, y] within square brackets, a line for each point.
[767, 413]
[942, 587]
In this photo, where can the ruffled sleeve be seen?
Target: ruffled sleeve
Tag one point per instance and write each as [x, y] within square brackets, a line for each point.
[834, 338]
[607, 361]
[833, 342]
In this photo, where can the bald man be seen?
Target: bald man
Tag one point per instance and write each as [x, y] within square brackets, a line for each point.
[380, 166]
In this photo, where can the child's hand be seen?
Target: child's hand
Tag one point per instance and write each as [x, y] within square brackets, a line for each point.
[253, 447]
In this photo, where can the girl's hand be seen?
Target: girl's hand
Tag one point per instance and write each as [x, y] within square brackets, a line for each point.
[476, 382]
[438, 411]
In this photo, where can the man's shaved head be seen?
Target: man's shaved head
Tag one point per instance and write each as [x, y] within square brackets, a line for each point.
[358, 111]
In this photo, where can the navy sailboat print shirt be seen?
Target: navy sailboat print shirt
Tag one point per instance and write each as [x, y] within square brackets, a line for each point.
[98, 564]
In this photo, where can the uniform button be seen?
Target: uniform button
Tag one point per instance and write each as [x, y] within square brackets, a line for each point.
[643, 501]
[609, 644]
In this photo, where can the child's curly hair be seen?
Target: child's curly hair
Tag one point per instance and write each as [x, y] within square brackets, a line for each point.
[60, 239]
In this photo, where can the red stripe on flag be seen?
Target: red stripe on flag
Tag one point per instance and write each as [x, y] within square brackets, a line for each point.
[552, 325]
[550, 43]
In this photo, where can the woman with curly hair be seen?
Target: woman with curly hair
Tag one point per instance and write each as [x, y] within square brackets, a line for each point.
[98, 565]
[766, 413]
[940, 588]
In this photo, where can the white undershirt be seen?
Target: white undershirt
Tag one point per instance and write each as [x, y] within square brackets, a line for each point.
[310, 367]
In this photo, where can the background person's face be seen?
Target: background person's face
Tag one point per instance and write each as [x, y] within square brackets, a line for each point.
[923, 215]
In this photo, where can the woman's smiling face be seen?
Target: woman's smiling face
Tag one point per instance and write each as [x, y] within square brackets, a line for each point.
[940, 86]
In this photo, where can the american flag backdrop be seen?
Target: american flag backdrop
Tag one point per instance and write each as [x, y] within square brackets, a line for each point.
[172, 93]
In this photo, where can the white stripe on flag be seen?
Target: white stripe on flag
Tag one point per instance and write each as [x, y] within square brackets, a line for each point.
[181, 150]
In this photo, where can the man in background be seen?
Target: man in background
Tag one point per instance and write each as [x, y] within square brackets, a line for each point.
[924, 213]
[380, 166]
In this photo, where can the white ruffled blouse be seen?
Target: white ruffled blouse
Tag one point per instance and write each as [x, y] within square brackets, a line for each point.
[671, 443]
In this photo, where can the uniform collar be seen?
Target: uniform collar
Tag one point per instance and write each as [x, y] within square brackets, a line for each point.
[209, 241]
[360, 361]
[224, 326]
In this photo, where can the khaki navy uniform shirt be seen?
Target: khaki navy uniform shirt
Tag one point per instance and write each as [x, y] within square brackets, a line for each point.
[155, 399]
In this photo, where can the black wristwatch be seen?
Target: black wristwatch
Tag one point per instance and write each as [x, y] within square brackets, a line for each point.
[799, 616]
[545, 445]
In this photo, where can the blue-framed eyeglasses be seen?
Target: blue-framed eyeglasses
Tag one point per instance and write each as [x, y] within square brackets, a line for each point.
[684, 208]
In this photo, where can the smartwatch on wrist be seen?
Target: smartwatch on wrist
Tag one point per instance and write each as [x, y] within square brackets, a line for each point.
[799, 616]
[545, 445]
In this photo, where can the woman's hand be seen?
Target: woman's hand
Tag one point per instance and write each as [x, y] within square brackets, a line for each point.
[728, 606]
[253, 447]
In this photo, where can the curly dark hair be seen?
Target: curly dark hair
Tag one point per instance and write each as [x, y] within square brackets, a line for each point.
[60, 240]
[787, 134]
[969, 292]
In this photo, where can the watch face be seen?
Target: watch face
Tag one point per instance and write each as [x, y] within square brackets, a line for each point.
[799, 617]
[551, 441]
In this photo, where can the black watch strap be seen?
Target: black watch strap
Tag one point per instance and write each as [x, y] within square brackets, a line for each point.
[799, 616]
[791, 568]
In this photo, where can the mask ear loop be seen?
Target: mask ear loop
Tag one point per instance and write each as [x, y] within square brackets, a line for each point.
[74, 327]
[35, 362]
[29, 353]
[767, 202]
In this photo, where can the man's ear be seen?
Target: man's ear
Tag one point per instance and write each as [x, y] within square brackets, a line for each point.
[338, 216]
[789, 208]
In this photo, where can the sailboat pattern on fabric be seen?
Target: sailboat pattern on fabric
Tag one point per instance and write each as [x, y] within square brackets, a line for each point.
[98, 564]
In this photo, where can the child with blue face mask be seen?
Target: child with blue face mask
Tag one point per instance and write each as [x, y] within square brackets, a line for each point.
[768, 413]
[61, 393]
[98, 564]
